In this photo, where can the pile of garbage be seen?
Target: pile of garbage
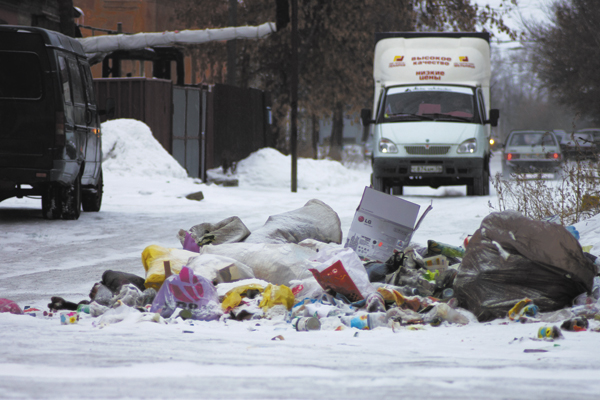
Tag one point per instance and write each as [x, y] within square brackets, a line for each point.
[295, 270]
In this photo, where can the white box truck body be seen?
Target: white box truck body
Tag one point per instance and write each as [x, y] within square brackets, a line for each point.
[430, 124]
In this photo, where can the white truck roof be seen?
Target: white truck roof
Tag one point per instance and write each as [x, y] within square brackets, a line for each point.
[444, 59]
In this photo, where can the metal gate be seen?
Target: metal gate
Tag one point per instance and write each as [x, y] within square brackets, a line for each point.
[187, 138]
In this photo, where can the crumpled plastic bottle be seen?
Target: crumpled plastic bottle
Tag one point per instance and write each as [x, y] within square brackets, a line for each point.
[557, 316]
[375, 303]
[129, 295]
[117, 314]
[446, 313]
[101, 294]
[97, 309]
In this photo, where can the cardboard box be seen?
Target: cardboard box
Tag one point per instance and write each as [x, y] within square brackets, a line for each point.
[382, 225]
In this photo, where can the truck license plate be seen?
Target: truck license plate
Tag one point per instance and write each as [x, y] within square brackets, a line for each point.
[426, 168]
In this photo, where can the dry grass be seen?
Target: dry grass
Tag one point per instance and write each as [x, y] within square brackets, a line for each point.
[573, 197]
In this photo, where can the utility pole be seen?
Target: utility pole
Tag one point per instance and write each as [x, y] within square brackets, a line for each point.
[231, 45]
[294, 116]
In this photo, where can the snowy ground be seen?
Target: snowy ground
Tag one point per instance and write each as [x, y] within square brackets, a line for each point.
[145, 204]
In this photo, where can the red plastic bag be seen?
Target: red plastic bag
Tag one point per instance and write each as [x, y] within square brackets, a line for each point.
[187, 291]
[10, 306]
[342, 271]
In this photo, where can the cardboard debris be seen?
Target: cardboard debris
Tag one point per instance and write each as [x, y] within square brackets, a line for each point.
[382, 224]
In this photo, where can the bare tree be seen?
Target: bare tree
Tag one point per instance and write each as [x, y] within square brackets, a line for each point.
[335, 51]
[567, 54]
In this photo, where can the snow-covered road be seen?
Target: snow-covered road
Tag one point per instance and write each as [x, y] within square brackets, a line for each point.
[42, 359]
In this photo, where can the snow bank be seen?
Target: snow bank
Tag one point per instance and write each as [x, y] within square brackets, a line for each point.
[129, 149]
[269, 168]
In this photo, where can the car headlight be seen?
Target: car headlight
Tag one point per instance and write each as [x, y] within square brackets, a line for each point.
[387, 146]
[468, 146]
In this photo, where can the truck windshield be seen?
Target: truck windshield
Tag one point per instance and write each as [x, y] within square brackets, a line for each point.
[20, 75]
[439, 103]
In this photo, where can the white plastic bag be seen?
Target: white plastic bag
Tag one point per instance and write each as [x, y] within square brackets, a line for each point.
[219, 269]
[315, 220]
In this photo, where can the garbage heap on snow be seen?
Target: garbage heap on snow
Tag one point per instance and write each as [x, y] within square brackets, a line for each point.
[295, 270]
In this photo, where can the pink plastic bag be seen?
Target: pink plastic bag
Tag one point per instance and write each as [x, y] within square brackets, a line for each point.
[10, 306]
[187, 291]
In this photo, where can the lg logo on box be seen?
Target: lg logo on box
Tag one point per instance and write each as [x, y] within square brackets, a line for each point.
[362, 219]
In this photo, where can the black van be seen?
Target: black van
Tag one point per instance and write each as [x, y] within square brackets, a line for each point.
[50, 143]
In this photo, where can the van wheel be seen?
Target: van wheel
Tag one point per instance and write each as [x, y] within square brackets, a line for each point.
[72, 200]
[52, 202]
[91, 199]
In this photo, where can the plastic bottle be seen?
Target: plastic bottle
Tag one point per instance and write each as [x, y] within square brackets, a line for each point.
[83, 308]
[377, 319]
[356, 321]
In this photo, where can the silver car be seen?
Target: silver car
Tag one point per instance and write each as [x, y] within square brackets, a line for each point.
[531, 152]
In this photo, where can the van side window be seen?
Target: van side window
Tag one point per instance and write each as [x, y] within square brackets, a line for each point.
[20, 75]
[88, 85]
[64, 79]
[77, 82]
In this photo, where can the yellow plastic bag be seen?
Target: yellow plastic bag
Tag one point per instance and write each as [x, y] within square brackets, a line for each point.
[233, 298]
[274, 295]
[153, 258]
[391, 295]
[515, 312]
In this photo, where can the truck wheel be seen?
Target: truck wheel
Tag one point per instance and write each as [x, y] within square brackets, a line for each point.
[478, 187]
[72, 200]
[398, 190]
[91, 199]
[52, 202]
[486, 182]
[379, 184]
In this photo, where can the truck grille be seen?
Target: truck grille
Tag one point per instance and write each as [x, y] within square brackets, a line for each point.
[431, 151]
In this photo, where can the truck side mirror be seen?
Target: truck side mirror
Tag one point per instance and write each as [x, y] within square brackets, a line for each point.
[494, 116]
[365, 116]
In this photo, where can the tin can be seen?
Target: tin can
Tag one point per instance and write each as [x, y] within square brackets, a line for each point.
[550, 332]
[69, 317]
[306, 324]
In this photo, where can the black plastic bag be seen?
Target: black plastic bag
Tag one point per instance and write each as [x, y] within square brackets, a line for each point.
[511, 257]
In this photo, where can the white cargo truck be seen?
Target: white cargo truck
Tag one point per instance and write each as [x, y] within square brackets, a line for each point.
[431, 116]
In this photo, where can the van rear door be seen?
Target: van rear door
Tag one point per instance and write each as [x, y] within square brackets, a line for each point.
[26, 102]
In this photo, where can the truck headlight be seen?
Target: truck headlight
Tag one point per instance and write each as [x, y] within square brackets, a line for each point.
[387, 146]
[468, 146]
